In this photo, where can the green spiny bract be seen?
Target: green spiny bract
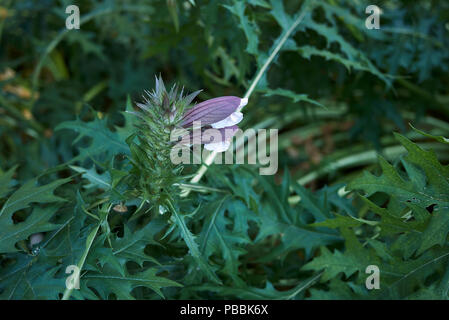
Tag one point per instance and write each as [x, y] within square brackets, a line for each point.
[150, 146]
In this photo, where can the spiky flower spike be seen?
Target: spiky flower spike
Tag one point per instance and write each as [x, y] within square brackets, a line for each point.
[150, 147]
[165, 111]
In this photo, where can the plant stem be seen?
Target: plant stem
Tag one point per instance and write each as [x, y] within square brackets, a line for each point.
[274, 53]
[202, 170]
[89, 242]
[432, 102]
[191, 244]
[91, 238]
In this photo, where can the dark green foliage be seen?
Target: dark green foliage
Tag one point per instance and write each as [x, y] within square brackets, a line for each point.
[403, 232]
[85, 150]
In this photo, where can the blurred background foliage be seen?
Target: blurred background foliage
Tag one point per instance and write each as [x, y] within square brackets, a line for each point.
[336, 91]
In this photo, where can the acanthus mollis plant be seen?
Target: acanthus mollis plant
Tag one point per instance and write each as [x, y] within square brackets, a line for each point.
[154, 175]
[162, 113]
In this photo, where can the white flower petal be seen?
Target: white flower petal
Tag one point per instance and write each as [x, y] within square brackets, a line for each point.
[233, 119]
[243, 103]
[218, 146]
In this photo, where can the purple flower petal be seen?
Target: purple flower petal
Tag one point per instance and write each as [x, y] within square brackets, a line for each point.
[211, 111]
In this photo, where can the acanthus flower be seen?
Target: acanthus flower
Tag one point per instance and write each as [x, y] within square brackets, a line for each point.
[222, 113]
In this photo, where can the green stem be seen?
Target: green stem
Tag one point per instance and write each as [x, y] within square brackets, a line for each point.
[202, 170]
[274, 53]
[191, 244]
[89, 242]
[433, 103]
[362, 158]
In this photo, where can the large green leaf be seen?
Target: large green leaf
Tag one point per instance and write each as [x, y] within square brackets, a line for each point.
[31, 193]
[37, 221]
[110, 281]
[103, 142]
[5, 180]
